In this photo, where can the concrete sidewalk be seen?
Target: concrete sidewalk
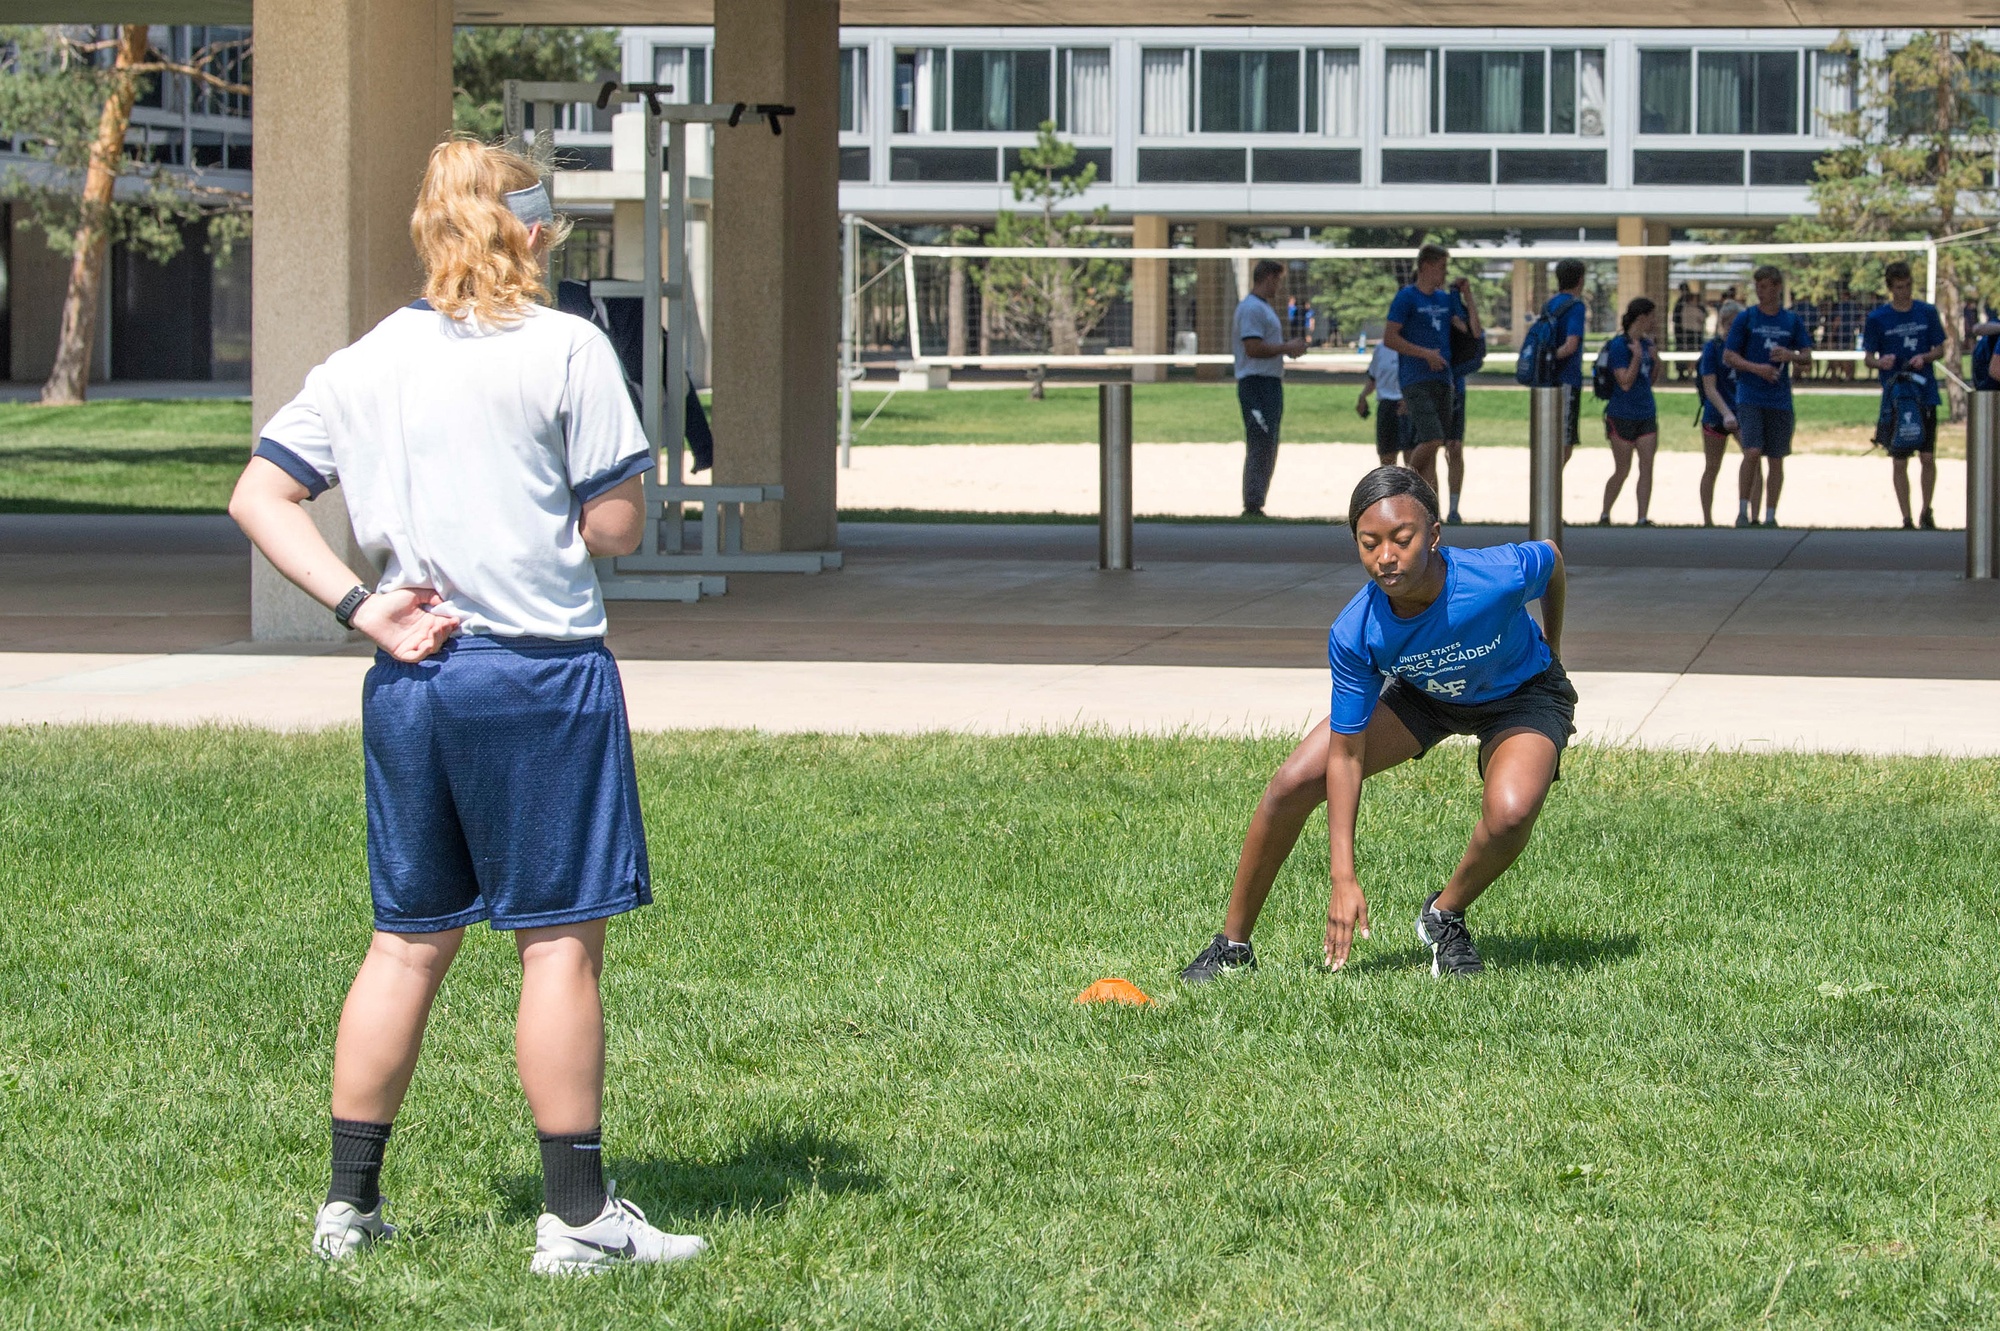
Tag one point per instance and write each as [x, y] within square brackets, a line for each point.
[1862, 641]
[1654, 710]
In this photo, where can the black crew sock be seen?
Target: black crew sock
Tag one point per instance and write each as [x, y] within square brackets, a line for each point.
[357, 1163]
[573, 1175]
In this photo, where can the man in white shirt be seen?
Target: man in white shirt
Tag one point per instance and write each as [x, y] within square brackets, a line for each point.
[1261, 348]
[1385, 381]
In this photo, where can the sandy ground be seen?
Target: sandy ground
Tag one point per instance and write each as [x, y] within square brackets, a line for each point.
[1314, 480]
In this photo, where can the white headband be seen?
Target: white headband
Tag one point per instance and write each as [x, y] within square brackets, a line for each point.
[531, 205]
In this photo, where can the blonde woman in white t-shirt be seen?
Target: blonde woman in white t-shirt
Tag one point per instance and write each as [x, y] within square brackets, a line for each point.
[488, 451]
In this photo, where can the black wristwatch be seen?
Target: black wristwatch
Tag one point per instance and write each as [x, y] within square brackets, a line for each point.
[344, 612]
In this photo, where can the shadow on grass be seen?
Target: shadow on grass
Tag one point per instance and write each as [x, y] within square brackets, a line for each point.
[1550, 951]
[763, 1174]
[106, 508]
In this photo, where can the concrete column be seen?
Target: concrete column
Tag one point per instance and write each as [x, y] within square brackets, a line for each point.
[1642, 276]
[1150, 295]
[1521, 296]
[776, 330]
[351, 97]
[1215, 302]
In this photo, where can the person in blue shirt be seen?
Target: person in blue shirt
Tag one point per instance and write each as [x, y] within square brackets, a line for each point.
[1571, 324]
[1718, 413]
[1439, 642]
[1906, 335]
[1631, 420]
[1418, 329]
[1765, 342]
[1474, 356]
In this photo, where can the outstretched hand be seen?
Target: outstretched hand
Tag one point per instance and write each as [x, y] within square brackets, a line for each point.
[1346, 914]
[405, 622]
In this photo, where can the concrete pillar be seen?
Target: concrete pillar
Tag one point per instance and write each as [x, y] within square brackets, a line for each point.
[1521, 297]
[1150, 295]
[351, 97]
[1642, 276]
[1214, 301]
[776, 330]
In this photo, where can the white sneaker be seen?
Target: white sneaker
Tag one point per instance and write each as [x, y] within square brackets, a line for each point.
[340, 1231]
[619, 1234]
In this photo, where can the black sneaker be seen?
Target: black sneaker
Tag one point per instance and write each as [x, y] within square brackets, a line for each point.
[1928, 521]
[1452, 952]
[1218, 958]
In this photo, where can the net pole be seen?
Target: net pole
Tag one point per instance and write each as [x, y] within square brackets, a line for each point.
[1982, 485]
[1547, 425]
[1114, 477]
[910, 304]
[1930, 273]
[650, 345]
[847, 357]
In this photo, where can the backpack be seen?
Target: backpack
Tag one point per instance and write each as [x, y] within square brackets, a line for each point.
[1603, 379]
[1536, 365]
[1902, 426]
[1468, 353]
[1982, 363]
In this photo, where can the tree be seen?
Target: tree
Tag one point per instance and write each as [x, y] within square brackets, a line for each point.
[1921, 136]
[1050, 304]
[1358, 291]
[69, 110]
[483, 59]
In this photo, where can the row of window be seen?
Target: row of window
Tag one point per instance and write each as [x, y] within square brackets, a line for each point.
[222, 51]
[1342, 166]
[1432, 90]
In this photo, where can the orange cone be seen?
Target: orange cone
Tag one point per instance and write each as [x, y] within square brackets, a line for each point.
[1114, 990]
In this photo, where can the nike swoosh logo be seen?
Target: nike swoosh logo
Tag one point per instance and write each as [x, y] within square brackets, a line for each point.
[625, 1249]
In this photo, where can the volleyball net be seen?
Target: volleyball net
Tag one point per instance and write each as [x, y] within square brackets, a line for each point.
[1113, 309]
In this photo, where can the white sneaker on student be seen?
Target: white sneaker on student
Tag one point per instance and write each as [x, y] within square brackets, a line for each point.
[619, 1234]
[340, 1231]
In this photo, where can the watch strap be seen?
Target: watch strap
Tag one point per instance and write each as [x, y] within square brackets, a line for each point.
[343, 613]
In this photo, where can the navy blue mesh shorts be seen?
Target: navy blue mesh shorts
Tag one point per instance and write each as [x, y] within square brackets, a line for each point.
[501, 787]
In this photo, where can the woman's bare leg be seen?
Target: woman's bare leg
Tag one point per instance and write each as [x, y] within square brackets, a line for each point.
[1643, 491]
[559, 1032]
[1520, 765]
[1621, 466]
[1424, 462]
[382, 1024]
[1296, 789]
[1712, 449]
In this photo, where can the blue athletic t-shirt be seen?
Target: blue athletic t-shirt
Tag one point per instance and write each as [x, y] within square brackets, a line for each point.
[1426, 322]
[1474, 644]
[1752, 337]
[1571, 324]
[1634, 403]
[1725, 383]
[1904, 334]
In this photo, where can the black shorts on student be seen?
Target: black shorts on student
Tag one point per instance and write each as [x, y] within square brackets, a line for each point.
[1631, 429]
[1389, 429]
[1545, 704]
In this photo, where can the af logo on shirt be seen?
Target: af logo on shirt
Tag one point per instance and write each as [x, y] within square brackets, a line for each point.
[1428, 665]
[1447, 689]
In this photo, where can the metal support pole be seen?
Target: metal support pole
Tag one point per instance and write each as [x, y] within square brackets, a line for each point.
[847, 322]
[1548, 423]
[1982, 483]
[1114, 476]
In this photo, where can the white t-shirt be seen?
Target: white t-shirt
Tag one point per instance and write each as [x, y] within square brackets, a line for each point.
[1256, 318]
[466, 455]
[1386, 369]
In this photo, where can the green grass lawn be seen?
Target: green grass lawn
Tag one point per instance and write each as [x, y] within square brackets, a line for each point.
[1724, 1071]
[183, 456]
[127, 456]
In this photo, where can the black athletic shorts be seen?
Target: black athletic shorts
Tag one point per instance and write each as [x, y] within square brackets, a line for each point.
[1631, 429]
[1427, 411]
[1545, 704]
[1389, 428]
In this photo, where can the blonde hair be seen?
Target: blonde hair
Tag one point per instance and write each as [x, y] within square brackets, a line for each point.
[478, 259]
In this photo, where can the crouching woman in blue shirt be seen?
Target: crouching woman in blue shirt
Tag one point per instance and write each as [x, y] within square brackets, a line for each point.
[1450, 632]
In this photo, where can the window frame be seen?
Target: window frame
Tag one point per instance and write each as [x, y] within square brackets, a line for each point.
[947, 94]
[1437, 61]
[1805, 65]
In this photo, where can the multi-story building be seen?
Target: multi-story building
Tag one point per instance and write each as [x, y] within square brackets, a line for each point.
[188, 319]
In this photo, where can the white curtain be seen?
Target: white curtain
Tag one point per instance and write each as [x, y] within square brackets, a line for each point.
[1340, 94]
[1089, 92]
[1590, 95]
[1409, 100]
[1163, 79]
[672, 66]
[1833, 88]
[929, 92]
